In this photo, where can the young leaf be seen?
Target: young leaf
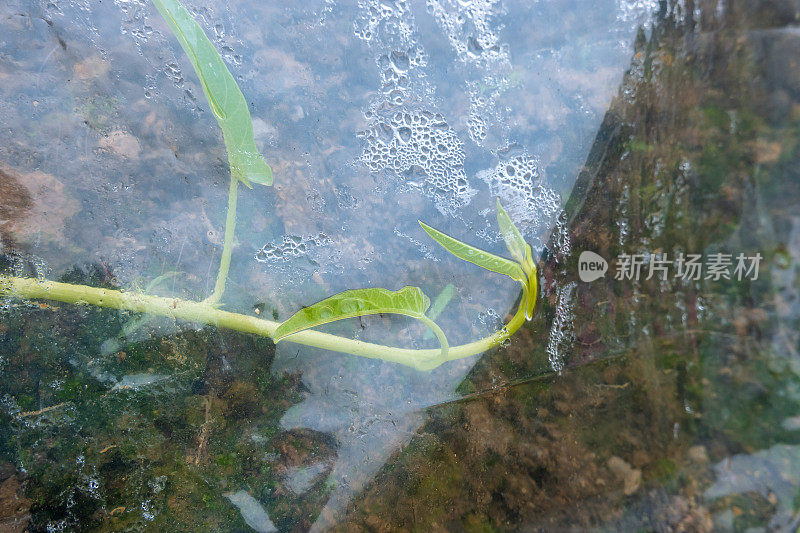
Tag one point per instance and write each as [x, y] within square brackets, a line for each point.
[409, 301]
[224, 96]
[163, 277]
[439, 303]
[514, 240]
[528, 265]
[495, 263]
[489, 261]
[521, 251]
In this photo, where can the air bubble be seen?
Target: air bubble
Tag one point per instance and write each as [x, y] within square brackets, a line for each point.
[561, 332]
[404, 133]
[490, 320]
[421, 149]
[518, 182]
[173, 71]
[291, 246]
[474, 47]
[400, 61]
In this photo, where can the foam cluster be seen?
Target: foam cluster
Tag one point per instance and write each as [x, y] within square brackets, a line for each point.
[378, 13]
[476, 126]
[422, 145]
[395, 67]
[468, 26]
[292, 246]
[518, 182]
[562, 332]
[520, 173]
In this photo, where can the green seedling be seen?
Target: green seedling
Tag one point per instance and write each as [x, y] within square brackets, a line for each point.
[230, 109]
[247, 165]
[223, 94]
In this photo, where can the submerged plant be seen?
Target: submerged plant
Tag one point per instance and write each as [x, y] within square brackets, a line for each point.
[247, 165]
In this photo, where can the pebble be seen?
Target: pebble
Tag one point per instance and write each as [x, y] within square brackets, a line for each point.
[630, 477]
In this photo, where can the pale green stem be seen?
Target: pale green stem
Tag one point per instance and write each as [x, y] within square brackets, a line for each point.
[434, 327]
[227, 248]
[424, 359]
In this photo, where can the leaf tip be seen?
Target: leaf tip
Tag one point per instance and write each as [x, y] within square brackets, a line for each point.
[426, 227]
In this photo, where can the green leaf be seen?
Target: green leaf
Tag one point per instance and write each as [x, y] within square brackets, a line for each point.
[483, 259]
[521, 251]
[439, 303]
[409, 301]
[224, 96]
[514, 240]
[495, 263]
[163, 277]
[528, 265]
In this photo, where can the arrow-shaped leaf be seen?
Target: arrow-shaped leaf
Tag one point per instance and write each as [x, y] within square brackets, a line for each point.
[521, 251]
[224, 96]
[439, 303]
[408, 301]
[483, 259]
[495, 263]
[514, 240]
[528, 265]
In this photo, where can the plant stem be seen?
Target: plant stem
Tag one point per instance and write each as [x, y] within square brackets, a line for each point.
[203, 312]
[227, 248]
[434, 327]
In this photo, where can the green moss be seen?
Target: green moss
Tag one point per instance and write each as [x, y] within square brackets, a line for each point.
[473, 523]
[26, 402]
[662, 469]
[99, 113]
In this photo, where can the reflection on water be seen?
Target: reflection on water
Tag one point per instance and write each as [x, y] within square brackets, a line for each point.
[625, 404]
